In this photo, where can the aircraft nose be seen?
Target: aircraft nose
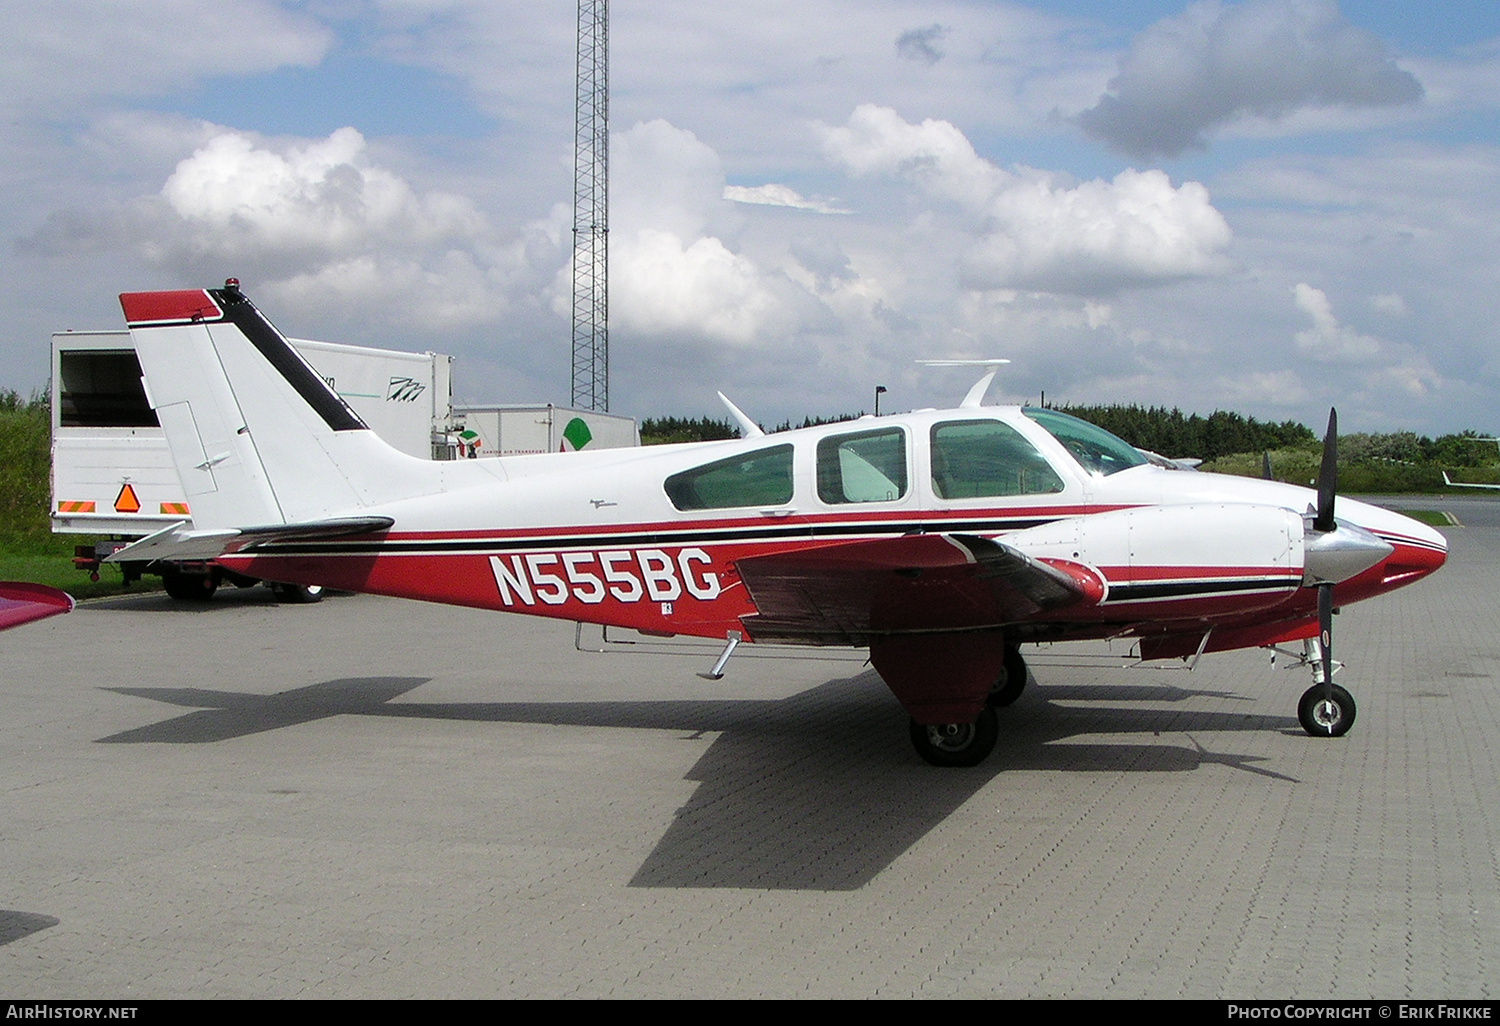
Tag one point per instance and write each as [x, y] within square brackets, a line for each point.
[1419, 551]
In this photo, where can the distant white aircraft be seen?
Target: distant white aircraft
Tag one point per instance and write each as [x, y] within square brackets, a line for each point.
[942, 540]
[1465, 484]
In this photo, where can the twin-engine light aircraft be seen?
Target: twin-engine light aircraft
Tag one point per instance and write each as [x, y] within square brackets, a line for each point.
[942, 540]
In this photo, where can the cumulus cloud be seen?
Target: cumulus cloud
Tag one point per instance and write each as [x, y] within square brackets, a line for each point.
[671, 271]
[310, 222]
[1216, 63]
[661, 286]
[321, 197]
[1038, 230]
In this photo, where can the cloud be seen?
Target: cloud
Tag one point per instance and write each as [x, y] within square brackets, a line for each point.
[1216, 63]
[672, 273]
[773, 195]
[311, 223]
[1327, 339]
[1037, 230]
[325, 197]
[921, 44]
[1382, 366]
[661, 286]
[63, 53]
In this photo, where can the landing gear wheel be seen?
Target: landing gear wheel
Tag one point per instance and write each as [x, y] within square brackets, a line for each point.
[189, 587]
[1012, 680]
[956, 744]
[1326, 712]
[297, 593]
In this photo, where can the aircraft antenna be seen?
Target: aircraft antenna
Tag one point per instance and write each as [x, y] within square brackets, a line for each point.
[591, 210]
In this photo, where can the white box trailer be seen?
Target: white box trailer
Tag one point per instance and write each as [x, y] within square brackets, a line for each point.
[112, 473]
[520, 430]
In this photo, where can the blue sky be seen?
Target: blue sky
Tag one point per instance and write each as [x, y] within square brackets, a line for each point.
[1269, 206]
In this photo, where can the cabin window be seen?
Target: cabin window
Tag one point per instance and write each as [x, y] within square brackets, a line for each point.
[1092, 446]
[975, 458]
[762, 478]
[102, 388]
[865, 467]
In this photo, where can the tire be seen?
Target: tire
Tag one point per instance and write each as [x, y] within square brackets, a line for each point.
[189, 587]
[297, 594]
[1012, 680]
[1326, 712]
[956, 744]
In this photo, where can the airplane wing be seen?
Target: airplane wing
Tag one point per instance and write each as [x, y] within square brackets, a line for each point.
[842, 594]
[22, 603]
[1464, 484]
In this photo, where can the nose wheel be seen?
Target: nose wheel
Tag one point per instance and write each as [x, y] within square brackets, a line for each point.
[1326, 711]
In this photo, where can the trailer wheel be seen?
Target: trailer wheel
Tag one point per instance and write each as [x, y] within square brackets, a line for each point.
[189, 587]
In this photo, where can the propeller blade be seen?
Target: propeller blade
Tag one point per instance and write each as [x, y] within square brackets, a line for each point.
[1328, 475]
[1265, 465]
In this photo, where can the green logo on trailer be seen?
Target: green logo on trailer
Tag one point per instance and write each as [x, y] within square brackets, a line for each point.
[576, 435]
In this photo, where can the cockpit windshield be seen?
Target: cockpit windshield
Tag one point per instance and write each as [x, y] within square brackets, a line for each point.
[1093, 447]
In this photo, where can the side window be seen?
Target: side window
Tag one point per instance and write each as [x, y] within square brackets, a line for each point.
[973, 458]
[867, 467]
[762, 478]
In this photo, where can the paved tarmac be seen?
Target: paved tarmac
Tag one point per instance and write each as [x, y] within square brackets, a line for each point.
[374, 798]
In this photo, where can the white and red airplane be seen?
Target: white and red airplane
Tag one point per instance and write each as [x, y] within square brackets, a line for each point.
[942, 540]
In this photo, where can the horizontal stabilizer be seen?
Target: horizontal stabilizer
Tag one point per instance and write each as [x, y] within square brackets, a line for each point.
[178, 543]
[917, 583]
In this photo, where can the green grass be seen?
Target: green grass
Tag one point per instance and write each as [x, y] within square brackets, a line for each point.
[50, 562]
[1430, 517]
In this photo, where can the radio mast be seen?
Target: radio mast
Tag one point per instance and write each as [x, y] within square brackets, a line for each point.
[591, 210]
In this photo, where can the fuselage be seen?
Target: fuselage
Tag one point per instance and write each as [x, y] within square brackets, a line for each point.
[649, 538]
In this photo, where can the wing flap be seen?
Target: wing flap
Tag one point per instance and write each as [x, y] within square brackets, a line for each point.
[848, 592]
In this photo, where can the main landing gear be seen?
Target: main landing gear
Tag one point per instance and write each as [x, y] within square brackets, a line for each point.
[957, 744]
[969, 744]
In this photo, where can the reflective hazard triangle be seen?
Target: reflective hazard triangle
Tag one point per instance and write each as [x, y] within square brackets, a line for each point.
[126, 502]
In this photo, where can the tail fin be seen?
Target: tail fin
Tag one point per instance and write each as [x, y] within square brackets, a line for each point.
[257, 436]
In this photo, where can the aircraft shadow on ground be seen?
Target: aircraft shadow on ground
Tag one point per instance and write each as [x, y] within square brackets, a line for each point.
[817, 791]
[14, 925]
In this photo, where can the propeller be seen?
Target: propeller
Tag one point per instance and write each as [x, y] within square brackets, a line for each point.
[1328, 481]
